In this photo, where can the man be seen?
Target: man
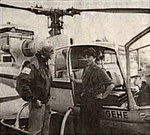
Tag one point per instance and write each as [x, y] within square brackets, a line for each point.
[144, 93]
[96, 84]
[33, 85]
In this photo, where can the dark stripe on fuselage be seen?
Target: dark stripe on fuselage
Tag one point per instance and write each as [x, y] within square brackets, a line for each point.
[64, 85]
[10, 98]
[7, 76]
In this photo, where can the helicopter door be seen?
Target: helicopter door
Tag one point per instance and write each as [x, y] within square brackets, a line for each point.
[61, 91]
[138, 59]
[76, 66]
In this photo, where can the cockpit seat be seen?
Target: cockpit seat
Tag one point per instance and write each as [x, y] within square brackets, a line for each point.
[116, 98]
[115, 78]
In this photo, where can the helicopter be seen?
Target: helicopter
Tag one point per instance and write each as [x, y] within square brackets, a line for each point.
[122, 113]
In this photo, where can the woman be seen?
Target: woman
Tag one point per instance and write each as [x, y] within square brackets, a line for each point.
[96, 84]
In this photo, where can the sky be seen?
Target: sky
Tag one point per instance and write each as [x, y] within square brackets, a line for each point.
[87, 27]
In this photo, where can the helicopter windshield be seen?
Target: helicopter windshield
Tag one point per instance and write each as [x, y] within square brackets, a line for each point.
[109, 61]
[140, 70]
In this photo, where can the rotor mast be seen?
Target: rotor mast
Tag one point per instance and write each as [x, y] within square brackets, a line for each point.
[55, 19]
[56, 25]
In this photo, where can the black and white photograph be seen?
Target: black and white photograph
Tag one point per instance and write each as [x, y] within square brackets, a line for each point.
[74, 67]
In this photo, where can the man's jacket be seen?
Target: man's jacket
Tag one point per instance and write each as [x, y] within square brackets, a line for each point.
[34, 81]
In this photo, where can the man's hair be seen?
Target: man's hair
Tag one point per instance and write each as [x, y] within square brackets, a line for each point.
[46, 50]
[89, 52]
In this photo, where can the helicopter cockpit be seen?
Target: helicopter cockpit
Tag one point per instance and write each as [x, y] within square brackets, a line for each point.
[69, 60]
[108, 62]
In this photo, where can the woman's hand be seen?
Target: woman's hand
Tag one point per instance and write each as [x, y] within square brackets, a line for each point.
[37, 103]
[75, 80]
[99, 96]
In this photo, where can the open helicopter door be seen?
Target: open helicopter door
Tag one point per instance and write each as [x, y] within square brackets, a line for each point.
[61, 92]
[76, 66]
[138, 70]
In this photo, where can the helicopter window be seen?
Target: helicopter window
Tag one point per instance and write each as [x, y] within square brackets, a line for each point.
[61, 71]
[109, 58]
[6, 58]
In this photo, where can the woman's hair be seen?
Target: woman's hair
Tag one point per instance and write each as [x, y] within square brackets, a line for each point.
[89, 52]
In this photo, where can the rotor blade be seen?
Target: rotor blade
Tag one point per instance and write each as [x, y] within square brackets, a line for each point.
[15, 7]
[114, 10]
[36, 10]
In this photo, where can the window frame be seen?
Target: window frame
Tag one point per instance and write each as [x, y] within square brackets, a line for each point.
[55, 79]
